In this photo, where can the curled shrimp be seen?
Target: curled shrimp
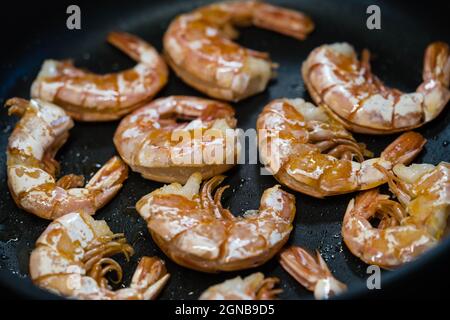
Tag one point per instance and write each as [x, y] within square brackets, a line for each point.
[362, 103]
[72, 259]
[309, 152]
[154, 142]
[91, 97]
[407, 227]
[199, 47]
[31, 167]
[252, 287]
[195, 231]
[310, 272]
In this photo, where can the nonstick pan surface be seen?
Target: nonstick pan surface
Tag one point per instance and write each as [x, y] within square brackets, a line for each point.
[397, 58]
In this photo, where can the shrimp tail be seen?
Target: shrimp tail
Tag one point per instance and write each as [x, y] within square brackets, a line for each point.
[437, 64]
[108, 180]
[150, 277]
[268, 290]
[294, 23]
[300, 265]
[252, 287]
[436, 79]
[404, 149]
[128, 44]
[312, 273]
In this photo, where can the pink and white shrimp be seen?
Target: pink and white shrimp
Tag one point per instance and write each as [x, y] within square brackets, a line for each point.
[171, 138]
[31, 167]
[72, 259]
[199, 48]
[92, 97]
[407, 227]
[191, 227]
[355, 97]
[310, 272]
[308, 151]
[252, 287]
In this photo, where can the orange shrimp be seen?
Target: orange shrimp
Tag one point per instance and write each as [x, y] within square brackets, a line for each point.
[152, 142]
[312, 273]
[195, 231]
[72, 258]
[198, 46]
[407, 227]
[31, 167]
[309, 152]
[252, 287]
[91, 97]
[355, 97]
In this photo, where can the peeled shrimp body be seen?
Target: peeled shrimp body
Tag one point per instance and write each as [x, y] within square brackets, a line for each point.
[194, 230]
[91, 97]
[252, 287]
[199, 48]
[72, 259]
[173, 137]
[309, 152]
[409, 226]
[312, 273]
[355, 97]
[31, 167]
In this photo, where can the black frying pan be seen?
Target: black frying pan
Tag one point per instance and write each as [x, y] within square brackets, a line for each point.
[34, 32]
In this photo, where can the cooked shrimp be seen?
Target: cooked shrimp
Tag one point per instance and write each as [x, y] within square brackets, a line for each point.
[31, 167]
[155, 144]
[309, 152]
[91, 97]
[252, 287]
[72, 259]
[310, 272]
[407, 227]
[362, 103]
[195, 231]
[199, 47]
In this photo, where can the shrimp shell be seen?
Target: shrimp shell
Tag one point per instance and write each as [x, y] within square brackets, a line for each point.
[154, 144]
[408, 227]
[72, 258]
[309, 152]
[355, 97]
[198, 46]
[91, 97]
[312, 273]
[193, 229]
[252, 287]
[31, 167]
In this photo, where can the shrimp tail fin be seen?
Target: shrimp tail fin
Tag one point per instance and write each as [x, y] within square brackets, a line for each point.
[436, 79]
[108, 180]
[302, 266]
[126, 43]
[437, 63]
[131, 46]
[150, 277]
[405, 148]
[311, 272]
[293, 23]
